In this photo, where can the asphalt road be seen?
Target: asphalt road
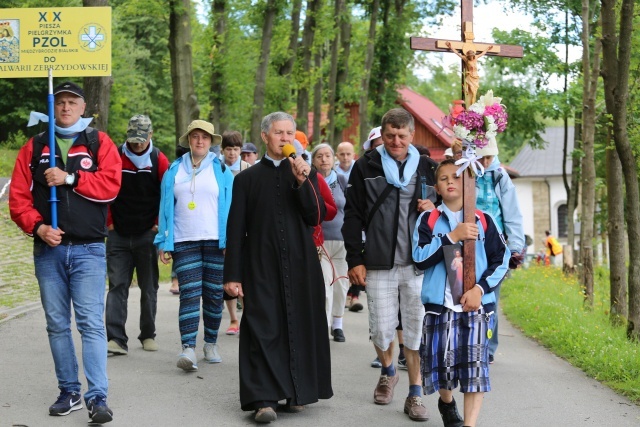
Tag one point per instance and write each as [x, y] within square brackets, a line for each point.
[531, 387]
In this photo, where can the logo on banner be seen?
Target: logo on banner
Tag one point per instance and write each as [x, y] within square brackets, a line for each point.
[92, 37]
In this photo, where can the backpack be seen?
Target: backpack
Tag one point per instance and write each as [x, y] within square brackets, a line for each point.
[39, 142]
[435, 214]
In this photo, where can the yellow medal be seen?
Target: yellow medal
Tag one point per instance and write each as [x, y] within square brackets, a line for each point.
[191, 206]
[489, 333]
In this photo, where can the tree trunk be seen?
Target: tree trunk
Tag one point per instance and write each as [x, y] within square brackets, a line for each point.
[261, 72]
[217, 95]
[572, 201]
[287, 67]
[590, 73]
[615, 76]
[317, 100]
[185, 103]
[343, 69]
[615, 226]
[307, 43]
[97, 90]
[333, 73]
[368, 63]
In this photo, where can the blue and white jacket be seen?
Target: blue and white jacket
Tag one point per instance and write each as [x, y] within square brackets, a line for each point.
[224, 178]
[492, 259]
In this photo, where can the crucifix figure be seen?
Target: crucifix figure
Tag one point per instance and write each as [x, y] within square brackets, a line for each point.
[469, 52]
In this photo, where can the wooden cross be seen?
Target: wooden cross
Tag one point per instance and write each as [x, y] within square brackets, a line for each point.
[470, 80]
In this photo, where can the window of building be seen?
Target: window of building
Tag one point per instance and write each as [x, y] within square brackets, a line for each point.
[562, 220]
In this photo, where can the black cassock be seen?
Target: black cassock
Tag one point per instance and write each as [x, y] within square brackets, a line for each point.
[284, 344]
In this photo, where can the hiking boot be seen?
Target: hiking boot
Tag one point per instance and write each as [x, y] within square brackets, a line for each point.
[99, 412]
[187, 360]
[149, 345]
[211, 354]
[383, 394]
[67, 402]
[402, 362]
[116, 349]
[266, 415]
[450, 415]
[415, 409]
[375, 363]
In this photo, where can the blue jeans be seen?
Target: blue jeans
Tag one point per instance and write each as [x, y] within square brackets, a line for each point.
[75, 273]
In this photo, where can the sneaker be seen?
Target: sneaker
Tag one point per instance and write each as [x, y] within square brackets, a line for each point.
[66, 403]
[116, 349]
[265, 415]
[338, 335]
[187, 360]
[149, 345]
[376, 363]
[491, 359]
[450, 415]
[99, 412]
[402, 362]
[415, 409]
[211, 354]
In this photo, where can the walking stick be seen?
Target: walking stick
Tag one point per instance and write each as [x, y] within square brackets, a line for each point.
[52, 152]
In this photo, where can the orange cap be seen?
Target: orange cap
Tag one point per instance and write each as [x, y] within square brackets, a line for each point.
[302, 138]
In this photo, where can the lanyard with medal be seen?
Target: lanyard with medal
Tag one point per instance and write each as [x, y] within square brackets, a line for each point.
[192, 187]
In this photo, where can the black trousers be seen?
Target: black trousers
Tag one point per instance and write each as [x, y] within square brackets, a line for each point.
[124, 255]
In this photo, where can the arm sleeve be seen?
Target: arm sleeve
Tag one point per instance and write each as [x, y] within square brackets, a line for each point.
[20, 197]
[329, 202]
[103, 185]
[354, 217]
[497, 257]
[511, 215]
[311, 202]
[236, 234]
[427, 248]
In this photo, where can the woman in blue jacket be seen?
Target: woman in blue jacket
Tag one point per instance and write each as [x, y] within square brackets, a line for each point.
[194, 205]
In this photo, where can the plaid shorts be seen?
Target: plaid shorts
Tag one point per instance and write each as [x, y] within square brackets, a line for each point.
[387, 292]
[455, 350]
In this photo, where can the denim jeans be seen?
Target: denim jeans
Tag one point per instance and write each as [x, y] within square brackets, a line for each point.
[66, 274]
[124, 254]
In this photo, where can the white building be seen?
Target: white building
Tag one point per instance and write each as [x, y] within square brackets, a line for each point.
[540, 187]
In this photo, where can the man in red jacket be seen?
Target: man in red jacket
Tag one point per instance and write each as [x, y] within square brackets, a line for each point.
[70, 262]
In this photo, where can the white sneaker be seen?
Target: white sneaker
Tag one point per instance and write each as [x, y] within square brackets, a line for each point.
[187, 360]
[211, 354]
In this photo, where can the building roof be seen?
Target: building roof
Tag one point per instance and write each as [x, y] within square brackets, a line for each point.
[427, 113]
[545, 162]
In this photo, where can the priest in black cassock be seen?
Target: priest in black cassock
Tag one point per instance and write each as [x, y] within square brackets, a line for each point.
[272, 261]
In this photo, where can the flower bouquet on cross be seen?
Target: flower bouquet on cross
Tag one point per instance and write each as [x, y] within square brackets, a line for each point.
[477, 127]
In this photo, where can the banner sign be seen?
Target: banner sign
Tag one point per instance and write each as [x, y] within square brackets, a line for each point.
[73, 41]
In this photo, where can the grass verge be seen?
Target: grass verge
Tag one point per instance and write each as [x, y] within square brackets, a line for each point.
[548, 307]
[7, 161]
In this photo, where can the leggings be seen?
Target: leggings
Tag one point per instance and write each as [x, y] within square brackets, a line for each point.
[199, 269]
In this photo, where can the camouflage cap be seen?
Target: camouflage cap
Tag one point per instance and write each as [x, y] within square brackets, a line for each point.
[139, 128]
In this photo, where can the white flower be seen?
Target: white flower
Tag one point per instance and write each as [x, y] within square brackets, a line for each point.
[488, 99]
[477, 108]
[461, 131]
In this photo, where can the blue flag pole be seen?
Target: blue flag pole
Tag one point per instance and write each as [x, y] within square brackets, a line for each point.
[53, 201]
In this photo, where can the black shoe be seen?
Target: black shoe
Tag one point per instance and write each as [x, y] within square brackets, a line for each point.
[450, 415]
[338, 335]
[491, 359]
[67, 402]
[99, 412]
[356, 306]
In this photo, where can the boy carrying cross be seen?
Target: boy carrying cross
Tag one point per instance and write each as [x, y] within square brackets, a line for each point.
[456, 330]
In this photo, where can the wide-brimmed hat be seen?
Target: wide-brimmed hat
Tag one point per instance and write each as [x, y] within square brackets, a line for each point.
[202, 125]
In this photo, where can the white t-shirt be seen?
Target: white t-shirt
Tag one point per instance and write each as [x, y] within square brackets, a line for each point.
[200, 223]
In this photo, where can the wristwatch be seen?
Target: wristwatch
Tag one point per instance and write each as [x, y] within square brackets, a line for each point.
[70, 179]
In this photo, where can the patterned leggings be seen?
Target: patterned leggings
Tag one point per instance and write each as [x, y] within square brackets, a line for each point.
[199, 269]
